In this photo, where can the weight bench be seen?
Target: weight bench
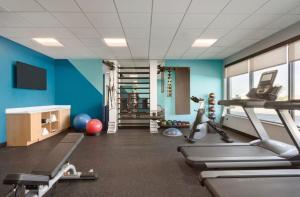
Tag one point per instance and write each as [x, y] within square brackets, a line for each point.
[55, 167]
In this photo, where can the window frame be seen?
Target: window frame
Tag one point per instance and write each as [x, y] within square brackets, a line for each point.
[291, 87]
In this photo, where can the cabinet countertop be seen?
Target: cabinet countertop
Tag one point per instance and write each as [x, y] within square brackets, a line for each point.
[36, 109]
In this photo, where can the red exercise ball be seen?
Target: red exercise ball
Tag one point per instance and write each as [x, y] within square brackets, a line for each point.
[94, 127]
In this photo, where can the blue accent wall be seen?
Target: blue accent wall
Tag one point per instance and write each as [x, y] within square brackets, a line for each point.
[73, 88]
[10, 97]
[205, 76]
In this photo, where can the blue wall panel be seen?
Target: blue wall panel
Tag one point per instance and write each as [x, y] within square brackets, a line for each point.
[73, 88]
[10, 52]
[205, 76]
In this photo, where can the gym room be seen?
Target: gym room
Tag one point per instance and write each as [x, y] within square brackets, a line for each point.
[150, 98]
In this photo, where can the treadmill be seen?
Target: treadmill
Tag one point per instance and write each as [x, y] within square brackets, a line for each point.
[261, 153]
[261, 186]
[267, 182]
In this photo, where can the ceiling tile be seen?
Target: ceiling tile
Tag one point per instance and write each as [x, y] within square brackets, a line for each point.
[134, 5]
[22, 41]
[96, 5]
[111, 32]
[228, 20]
[93, 42]
[258, 21]
[193, 34]
[53, 32]
[135, 20]
[2, 9]
[207, 6]
[214, 49]
[36, 32]
[295, 10]
[84, 32]
[102, 52]
[71, 42]
[106, 20]
[197, 20]
[162, 33]
[181, 45]
[138, 47]
[138, 42]
[166, 20]
[263, 33]
[73, 19]
[20, 5]
[214, 32]
[279, 6]
[158, 48]
[284, 21]
[8, 19]
[243, 7]
[121, 53]
[139, 53]
[228, 52]
[137, 32]
[169, 6]
[193, 53]
[40, 19]
[59, 5]
[208, 55]
[244, 43]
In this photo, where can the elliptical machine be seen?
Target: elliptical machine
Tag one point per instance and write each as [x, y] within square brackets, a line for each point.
[202, 125]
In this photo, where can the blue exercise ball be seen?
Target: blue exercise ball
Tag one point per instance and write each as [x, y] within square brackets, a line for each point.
[80, 121]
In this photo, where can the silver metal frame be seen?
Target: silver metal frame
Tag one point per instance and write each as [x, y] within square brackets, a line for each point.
[68, 171]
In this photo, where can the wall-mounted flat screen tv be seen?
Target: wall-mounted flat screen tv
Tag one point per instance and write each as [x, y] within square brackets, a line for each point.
[30, 77]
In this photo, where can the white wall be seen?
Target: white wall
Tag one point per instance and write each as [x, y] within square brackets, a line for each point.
[242, 124]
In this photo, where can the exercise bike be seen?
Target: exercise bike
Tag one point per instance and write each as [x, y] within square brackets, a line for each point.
[202, 125]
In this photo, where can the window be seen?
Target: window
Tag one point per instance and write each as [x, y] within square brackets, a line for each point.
[296, 92]
[239, 87]
[282, 79]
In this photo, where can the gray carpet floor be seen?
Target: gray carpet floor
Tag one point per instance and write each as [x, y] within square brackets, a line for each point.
[131, 163]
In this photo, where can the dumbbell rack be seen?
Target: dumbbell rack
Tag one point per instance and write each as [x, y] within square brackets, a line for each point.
[211, 106]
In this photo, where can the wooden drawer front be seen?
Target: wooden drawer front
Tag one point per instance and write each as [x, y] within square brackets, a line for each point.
[18, 129]
[64, 117]
[35, 126]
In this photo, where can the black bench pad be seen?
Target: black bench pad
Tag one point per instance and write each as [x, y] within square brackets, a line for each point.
[59, 155]
[26, 179]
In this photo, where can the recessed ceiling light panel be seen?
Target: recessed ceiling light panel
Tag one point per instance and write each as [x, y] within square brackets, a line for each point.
[115, 42]
[49, 42]
[204, 42]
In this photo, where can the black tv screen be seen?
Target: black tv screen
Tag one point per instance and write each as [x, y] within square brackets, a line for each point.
[30, 77]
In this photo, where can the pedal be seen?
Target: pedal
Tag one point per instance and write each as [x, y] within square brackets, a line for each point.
[89, 176]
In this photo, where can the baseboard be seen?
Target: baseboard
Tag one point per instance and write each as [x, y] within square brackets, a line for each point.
[2, 144]
[240, 133]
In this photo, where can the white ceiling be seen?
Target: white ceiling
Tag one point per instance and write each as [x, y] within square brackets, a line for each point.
[154, 29]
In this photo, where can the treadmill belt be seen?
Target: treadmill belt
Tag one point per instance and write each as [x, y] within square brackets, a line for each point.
[258, 187]
[226, 151]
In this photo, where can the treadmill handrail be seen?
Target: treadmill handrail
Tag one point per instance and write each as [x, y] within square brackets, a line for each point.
[288, 105]
[249, 103]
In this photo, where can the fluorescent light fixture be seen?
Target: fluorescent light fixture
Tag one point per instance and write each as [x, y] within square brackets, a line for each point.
[204, 42]
[133, 75]
[49, 42]
[115, 42]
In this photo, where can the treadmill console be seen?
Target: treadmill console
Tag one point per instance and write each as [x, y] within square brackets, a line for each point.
[265, 89]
